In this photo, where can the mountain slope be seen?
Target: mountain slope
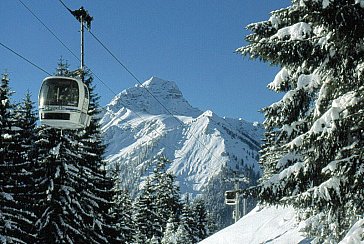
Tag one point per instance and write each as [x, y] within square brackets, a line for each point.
[274, 225]
[262, 225]
[200, 145]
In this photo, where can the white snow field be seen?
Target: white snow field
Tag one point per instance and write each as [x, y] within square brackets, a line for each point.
[262, 225]
[274, 225]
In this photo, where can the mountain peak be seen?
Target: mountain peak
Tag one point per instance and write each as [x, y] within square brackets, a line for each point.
[202, 147]
[148, 97]
[157, 83]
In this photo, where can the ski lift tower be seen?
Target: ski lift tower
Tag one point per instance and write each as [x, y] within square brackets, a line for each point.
[232, 197]
[85, 19]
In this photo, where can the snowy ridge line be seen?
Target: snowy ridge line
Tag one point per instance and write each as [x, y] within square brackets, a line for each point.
[159, 133]
[251, 142]
[209, 150]
[241, 135]
[175, 118]
[129, 144]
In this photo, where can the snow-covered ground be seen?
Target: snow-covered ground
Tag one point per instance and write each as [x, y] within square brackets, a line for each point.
[262, 225]
[356, 234]
[274, 225]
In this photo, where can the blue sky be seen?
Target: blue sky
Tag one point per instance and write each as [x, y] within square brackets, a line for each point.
[191, 42]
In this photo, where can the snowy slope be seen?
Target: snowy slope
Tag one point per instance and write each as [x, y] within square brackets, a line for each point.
[199, 144]
[262, 225]
[274, 225]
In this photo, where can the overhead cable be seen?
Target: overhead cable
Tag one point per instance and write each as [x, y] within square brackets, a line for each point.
[136, 78]
[94, 74]
[24, 58]
[50, 31]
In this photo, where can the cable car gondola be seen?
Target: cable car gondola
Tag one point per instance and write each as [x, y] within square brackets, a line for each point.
[230, 197]
[63, 103]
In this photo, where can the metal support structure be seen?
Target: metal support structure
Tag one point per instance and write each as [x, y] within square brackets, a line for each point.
[84, 18]
[244, 206]
[237, 205]
[236, 212]
[82, 49]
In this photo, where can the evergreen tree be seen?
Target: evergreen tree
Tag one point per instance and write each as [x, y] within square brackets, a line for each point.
[98, 191]
[211, 224]
[188, 225]
[62, 213]
[183, 235]
[215, 200]
[169, 235]
[312, 157]
[77, 193]
[166, 194]
[194, 220]
[14, 174]
[200, 218]
[156, 202]
[120, 214]
[5, 129]
[63, 216]
[25, 122]
[145, 213]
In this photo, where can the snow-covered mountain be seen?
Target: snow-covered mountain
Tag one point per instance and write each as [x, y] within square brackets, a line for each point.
[200, 145]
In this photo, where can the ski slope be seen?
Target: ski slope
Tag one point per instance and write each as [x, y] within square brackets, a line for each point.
[262, 225]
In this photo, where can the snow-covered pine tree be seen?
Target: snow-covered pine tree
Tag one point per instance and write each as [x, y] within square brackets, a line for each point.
[126, 222]
[194, 220]
[167, 193]
[25, 124]
[121, 214]
[211, 224]
[188, 223]
[169, 235]
[15, 216]
[62, 217]
[182, 235]
[200, 217]
[77, 193]
[99, 193]
[6, 200]
[145, 214]
[215, 200]
[313, 153]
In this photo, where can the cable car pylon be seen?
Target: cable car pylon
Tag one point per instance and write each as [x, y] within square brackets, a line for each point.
[64, 101]
[232, 197]
[83, 17]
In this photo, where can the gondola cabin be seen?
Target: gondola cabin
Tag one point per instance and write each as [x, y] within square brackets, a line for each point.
[230, 197]
[63, 103]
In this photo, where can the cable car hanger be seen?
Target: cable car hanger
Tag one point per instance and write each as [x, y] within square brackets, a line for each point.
[64, 101]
